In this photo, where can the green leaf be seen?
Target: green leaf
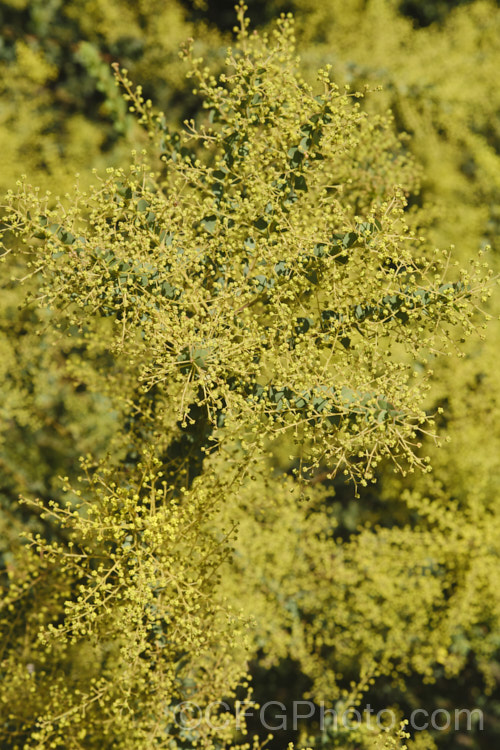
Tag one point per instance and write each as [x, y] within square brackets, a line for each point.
[168, 291]
[67, 237]
[262, 282]
[301, 402]
[281, 268]
[305, 144]
[200, 356]
[209, 223]
[300, 183]
[349, 239]
[303, 325]
[261, 224]
[347, 395]
[346, 342]
[296, 156]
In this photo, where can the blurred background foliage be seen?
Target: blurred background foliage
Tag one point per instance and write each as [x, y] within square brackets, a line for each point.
[435, 66]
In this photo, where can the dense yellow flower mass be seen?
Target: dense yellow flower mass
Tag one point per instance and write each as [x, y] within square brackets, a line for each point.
[232, 363]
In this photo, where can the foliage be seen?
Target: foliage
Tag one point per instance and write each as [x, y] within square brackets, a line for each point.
[214, 340]
[439, 82]
[61, 110]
